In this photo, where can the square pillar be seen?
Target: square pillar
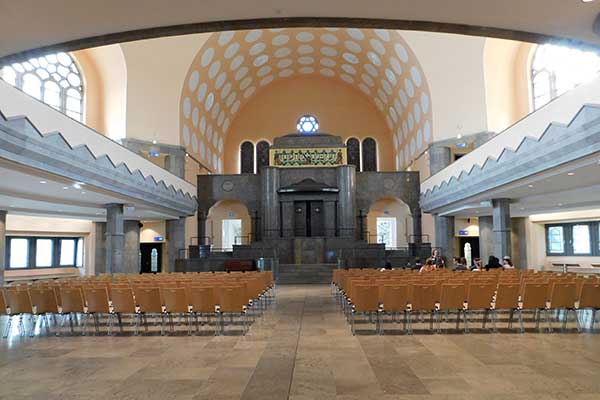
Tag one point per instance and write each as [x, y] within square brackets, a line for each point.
[486, 238]
[2, 245]
[175, 241]
[444, 237]
[131, 249]
[346, 179]
[100, 248]
[270, 202]
[502, 227]
[115, 238]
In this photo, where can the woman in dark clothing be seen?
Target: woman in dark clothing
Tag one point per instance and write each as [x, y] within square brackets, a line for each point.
[493, 262]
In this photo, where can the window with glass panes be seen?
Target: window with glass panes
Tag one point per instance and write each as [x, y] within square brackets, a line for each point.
[557, 69]
[23, 252]
[573, 239]
[54, 79]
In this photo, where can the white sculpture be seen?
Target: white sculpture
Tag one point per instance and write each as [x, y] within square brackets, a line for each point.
[468, 254]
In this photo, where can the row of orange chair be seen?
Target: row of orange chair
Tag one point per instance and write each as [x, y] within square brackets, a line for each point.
[380, 294]
[202, 295]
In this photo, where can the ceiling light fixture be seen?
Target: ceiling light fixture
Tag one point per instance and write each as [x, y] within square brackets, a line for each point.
[65, 187]
[571, 173]
[43, 182]
[560, 204]
[529, 186]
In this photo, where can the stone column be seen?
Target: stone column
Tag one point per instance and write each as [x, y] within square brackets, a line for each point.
[131, 249]
[270, 201]
[502, 227]
[329, 210]
[115, 240]
[2, 245]
[201, 216]
[288, 214]
[255, 226]
[444, 237]
[486, 238]
[439, 158]
[175, 162]
[100, 248]
[175, 241]
[519, 242]
[362, 224]
[417, 227]
[346, 178]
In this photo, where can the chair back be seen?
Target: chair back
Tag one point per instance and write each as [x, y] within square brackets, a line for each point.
[175, 300]
[395, 297]
[96, 299]
[232, 299]
[589, 297]
[507, 296]
[3, 310]
[72, 300]
[148, 299]
[424, 297]
[535, 295]
[122, 300]
[201, 299]
[18, 301]
[453, 296]
[563, 295]
[480, 295]
[44, 300]
[366, 298]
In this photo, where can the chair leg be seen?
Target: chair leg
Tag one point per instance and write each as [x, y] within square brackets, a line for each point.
[457, 319]
[510, 318]
[593, 320]
[352, 323]
[546, 314]
[493, 318]
[85, 321]
[34, 321]
[466, 315]
[577, 324]
[521, 320]
[8, 326]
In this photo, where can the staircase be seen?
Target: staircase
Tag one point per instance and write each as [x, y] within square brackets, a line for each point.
[293, 274]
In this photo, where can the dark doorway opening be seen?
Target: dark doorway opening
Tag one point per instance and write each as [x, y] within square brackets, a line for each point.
[473, 241]
[151, 259]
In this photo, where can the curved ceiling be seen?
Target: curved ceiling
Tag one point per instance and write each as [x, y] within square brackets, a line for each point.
[33, 24]
[232, 67]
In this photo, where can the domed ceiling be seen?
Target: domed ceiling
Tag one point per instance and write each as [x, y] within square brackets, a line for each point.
[232, 67]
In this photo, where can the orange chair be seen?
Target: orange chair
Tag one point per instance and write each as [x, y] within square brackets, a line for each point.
[19, 304]
[394, 301]
[507, 298]
[148, 300]
[424, 298]
[365, 300]
[232, 301]
[589, 298]
[96, 299]
[71, 304]
[203, 303]
[563, 297]
[535, 296]
[43, 301]
[452, 297]
[479, 298]
[122, 303]
[176, 302]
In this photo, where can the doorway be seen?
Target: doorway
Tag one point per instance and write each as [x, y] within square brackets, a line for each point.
[473, 241]
[308, 218]
[387, 232]
[151, 257]
[232, 233]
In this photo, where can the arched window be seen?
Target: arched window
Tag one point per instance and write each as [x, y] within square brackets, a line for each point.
[262, 155]
[247, 158]
[53, 79]
[557, 69]
[353, 150]
[369, 154]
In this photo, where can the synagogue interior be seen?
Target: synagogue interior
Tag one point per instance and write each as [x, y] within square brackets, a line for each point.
[300, 201]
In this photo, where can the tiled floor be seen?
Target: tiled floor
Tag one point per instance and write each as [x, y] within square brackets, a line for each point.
[302, 349]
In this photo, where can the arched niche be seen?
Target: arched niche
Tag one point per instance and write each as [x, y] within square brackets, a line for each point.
[395, 209]
[227, 210]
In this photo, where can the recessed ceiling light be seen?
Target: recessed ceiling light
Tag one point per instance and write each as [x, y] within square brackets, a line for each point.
[560, 204]
[65, 187]
[83, 192]
[42, 182]
[529, 186]
[154, 142]
[571, 173]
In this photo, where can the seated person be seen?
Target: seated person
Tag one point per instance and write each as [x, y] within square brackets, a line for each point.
[418, 264]
[429, 266]
[493, 263]
[477, 266]
[461, 264]
[507, 263]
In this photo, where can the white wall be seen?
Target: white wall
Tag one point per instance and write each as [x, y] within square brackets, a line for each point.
[453, 65]
[156, 70]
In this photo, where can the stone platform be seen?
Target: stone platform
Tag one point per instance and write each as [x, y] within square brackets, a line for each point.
[292, 274]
